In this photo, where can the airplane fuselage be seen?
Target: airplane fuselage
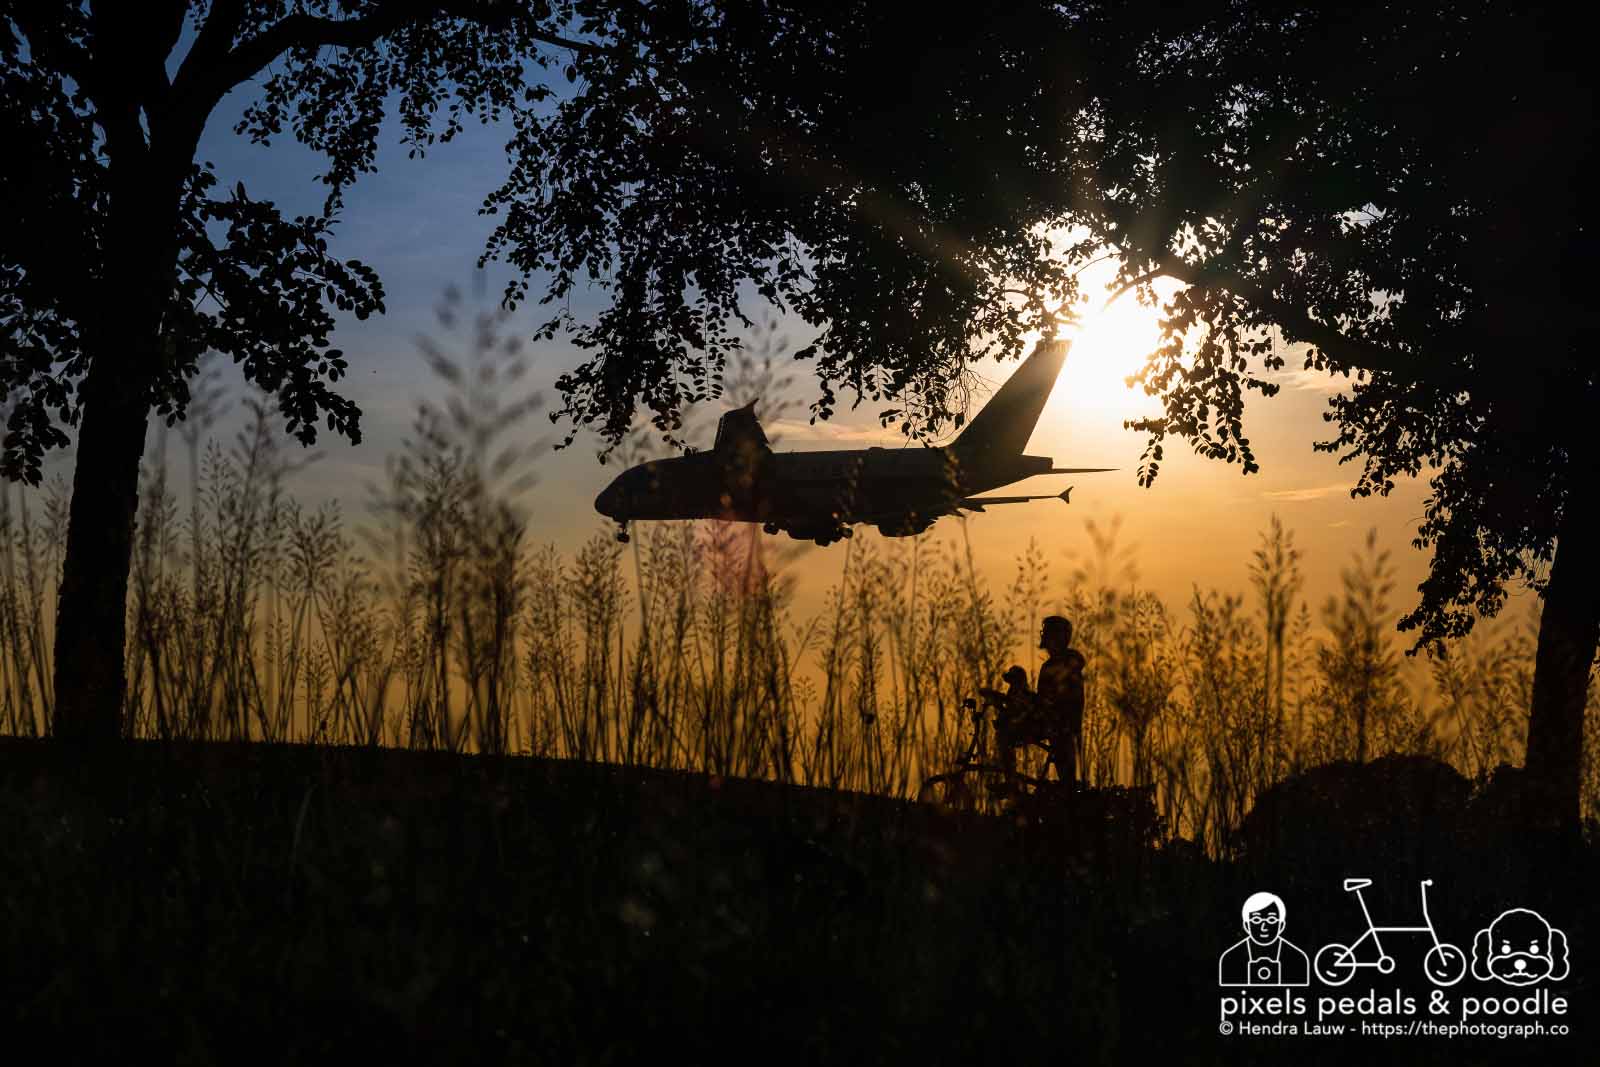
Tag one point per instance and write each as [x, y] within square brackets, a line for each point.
[809, 493]
[820, 495]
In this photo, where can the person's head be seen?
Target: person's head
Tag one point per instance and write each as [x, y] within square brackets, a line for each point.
[1265, 916]
[1055, 634]
[1015, 677]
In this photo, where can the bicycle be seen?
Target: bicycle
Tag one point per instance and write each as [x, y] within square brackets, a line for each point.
[1336, 964]
[956, 788]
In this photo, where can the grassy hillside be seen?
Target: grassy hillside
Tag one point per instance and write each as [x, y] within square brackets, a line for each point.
[219, 902]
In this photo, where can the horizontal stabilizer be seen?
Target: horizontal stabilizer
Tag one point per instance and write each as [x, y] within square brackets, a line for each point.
[978, 503]
[1080, 470]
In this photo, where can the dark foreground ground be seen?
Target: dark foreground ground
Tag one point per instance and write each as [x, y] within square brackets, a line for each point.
[228, 904]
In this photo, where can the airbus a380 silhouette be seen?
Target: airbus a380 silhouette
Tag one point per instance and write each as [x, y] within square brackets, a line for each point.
[820, 495]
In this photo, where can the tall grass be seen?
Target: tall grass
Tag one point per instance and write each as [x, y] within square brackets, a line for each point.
[436, 624]
[30, 562]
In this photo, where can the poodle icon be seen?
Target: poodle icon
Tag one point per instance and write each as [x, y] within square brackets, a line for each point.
[1520, 948]
[1264, 957]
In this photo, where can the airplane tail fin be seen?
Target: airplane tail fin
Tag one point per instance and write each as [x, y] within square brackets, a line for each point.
[739, 430]
[1005, 423]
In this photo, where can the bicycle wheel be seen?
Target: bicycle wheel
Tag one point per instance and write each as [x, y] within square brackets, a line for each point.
[1445, 964]
[950, 791]
[1335, 964]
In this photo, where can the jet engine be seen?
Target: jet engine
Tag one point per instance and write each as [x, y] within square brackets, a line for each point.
[905, 526]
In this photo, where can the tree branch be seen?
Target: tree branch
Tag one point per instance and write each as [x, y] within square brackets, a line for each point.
[210, 46]
[218, 69]
[51, 45]
[1147, 276]
[1343, 350]
[170, 26]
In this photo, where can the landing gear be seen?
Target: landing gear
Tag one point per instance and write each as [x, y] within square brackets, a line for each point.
[622, 532]
[820, 535]
[771, 528]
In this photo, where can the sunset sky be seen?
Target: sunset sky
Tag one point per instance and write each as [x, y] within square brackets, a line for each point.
[416, 221]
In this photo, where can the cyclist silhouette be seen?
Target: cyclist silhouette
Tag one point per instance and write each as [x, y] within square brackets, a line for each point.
[1053, 715]
[1060, 698]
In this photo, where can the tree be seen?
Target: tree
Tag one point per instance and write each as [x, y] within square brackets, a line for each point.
[1402, 189]
[893, 180]
[1355, 181]
[126, 262]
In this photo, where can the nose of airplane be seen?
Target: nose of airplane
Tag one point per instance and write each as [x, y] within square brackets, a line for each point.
[609, 502]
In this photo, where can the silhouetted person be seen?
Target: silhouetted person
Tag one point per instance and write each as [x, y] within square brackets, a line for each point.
[1054, 715]
[1059, 703]
[1015, 720]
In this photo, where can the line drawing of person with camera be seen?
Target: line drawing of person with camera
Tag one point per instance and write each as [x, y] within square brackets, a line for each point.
[1264, 956]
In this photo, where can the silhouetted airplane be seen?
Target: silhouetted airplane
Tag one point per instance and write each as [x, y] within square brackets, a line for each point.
[818, 495]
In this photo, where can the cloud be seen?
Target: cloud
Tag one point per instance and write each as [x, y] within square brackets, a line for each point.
[1297, 377]
[1310, 493]
[798, 431]
[1316, 381]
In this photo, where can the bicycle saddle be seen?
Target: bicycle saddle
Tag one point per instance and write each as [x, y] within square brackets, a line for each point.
[1352, 884]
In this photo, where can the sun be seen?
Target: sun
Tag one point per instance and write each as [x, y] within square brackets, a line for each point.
[1109, 344]
[1112, 338]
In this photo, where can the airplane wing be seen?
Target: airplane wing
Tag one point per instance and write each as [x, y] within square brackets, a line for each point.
[978, 503]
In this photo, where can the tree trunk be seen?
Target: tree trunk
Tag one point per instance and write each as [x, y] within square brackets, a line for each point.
[1569, 629]
[122, 337]
[151, 136]
[123, 342]
[92, 610]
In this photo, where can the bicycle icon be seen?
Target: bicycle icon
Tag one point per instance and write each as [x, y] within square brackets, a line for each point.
[1336, 964]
